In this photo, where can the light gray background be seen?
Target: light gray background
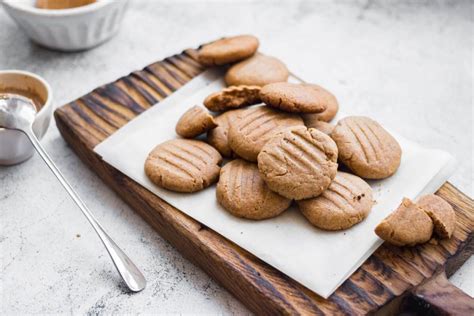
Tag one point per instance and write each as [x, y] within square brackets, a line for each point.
[407, 65]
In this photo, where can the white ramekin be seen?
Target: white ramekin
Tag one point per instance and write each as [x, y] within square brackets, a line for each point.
[69, 29]
[14, 145]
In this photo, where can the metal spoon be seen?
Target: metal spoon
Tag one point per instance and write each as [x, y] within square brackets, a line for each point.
[18, 113]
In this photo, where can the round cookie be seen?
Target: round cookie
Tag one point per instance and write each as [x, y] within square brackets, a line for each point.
[218, 137]
[228, 50]
[194, 122]
[243, 193]
[255, 126]
[232, 98]
[332, 106]
[183, 165]
[295, 97]
[366, 148]
[346, 202]
[298, 163]
[441, 213]
[259, 70]
[408, 225]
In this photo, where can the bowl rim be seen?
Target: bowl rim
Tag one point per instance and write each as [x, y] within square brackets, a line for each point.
[48, 102]
[57, 12]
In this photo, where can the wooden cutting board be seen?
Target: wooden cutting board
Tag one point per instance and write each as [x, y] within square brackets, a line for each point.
[392, 279]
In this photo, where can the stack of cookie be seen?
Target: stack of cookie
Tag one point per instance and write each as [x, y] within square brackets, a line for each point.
[280, 142]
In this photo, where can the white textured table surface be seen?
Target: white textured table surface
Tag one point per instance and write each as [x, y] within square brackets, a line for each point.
[408, 66]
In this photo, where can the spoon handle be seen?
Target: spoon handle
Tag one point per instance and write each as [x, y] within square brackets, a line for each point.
[128, 271]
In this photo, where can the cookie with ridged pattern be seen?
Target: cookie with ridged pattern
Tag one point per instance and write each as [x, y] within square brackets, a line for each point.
[298, 163]
[255, 126]
[366, 148]
[243, 193]
[346, 202]
[183, 165]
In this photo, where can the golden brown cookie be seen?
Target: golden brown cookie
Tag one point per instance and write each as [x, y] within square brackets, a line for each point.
[218, 137]
[243, 193]
[228, 50]
[183, 165]
[408, 225]
[441, 212]
[346, 202]
[258, 70]
[332, 106]
[366, 148]
[296, 97]
[194, 122]
[322, 126]
[255, 126]
[298, 163]
[232, 98]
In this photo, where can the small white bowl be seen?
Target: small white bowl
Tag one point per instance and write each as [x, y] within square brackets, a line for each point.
[14, 145]
[68, 29]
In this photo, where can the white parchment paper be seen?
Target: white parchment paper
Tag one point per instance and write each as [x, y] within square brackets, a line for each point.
[319, 260]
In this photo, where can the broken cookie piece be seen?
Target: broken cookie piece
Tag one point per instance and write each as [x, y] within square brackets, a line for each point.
[408, 225]
[194, 122]
[233, 97]
[441, 213]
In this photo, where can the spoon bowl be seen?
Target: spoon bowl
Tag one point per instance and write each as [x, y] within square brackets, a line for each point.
[14, 145]
[16, 111]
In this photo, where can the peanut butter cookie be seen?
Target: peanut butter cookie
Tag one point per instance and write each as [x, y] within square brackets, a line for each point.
[183, 165]
[346, 202]
[295, 97]
[298, 163]
[243, 193]
[332, 106]
[233, 97]
[258, 70]
[218, 137]
[194, 122]
[408, 225]
[366, 148]
[228, 50]
[441, 212]
[255, 126]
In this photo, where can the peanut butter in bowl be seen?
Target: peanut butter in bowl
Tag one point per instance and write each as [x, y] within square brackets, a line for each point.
[62, 4]
[32, 96]
[67, 25]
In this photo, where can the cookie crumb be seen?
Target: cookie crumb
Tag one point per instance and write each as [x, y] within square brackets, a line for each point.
[433, 241]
